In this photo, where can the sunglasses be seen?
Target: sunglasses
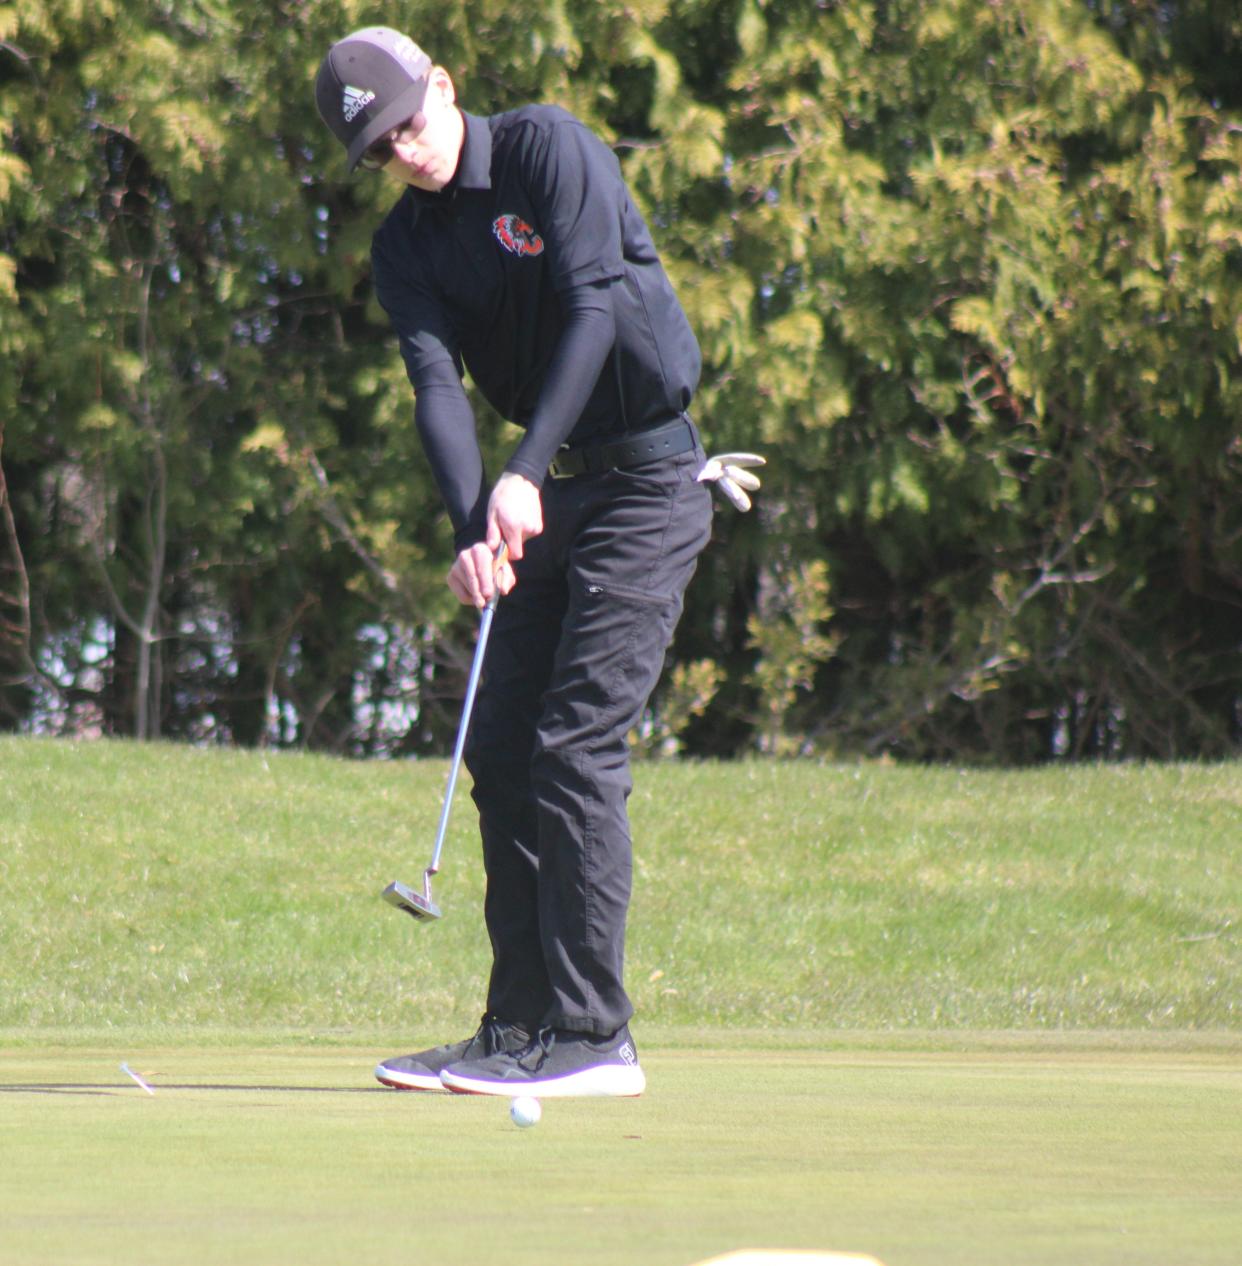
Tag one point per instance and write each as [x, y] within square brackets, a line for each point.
[378, 155]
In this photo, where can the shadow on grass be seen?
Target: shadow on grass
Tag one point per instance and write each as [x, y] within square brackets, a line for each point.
[95, 1088]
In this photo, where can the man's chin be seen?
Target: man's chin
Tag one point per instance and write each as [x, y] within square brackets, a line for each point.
[424, 180]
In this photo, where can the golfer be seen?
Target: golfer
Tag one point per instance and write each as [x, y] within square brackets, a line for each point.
[515, 253]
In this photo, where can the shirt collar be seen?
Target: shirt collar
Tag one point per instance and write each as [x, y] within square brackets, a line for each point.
[474, 168]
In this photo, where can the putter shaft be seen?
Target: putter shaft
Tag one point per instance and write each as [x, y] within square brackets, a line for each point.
[463, 728]
[421, 906]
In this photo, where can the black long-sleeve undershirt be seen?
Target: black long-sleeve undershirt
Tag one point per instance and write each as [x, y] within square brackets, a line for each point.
[586, 341]
[445, 421]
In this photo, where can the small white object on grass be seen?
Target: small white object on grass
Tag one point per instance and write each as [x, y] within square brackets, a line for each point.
[525, 1111]
[129, 1072]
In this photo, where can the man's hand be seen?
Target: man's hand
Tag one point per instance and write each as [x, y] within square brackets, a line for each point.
[514, 514]
[478, 574]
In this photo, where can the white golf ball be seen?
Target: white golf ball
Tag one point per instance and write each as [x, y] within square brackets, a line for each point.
[525, 1111]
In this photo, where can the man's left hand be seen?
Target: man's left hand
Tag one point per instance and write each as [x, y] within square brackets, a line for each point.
[514, 514]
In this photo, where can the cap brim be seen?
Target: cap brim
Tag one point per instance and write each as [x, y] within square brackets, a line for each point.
[408, 104]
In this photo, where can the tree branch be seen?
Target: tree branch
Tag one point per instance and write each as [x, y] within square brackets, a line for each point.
[22, 628]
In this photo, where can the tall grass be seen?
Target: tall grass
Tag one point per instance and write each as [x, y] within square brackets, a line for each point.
[156, 886]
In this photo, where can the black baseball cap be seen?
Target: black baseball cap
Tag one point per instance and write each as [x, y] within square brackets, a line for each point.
[369, 83]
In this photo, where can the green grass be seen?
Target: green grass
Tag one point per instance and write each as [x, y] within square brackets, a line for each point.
[1048, 1153]
[931, 1015]
[166, 888]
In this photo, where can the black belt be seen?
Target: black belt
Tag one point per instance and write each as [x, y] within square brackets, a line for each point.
[646, 446]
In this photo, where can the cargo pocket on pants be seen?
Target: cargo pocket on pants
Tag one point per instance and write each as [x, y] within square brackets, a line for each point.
[635, 628]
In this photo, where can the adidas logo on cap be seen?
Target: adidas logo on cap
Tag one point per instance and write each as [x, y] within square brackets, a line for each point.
[355, 101]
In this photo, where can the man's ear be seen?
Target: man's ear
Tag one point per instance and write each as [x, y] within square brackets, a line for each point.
[442, 83]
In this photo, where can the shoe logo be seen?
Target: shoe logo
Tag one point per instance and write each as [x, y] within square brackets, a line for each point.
[628, 1054]
[355, 101]
[516, 236]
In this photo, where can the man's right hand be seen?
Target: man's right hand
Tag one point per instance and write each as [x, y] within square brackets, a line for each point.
[477, 574]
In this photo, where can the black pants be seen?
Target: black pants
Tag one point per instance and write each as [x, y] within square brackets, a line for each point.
[576, 649]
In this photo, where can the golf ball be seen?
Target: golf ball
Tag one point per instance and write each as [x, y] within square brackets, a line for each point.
[525, 1111]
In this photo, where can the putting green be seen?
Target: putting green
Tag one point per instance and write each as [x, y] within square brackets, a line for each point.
[1035, 1153]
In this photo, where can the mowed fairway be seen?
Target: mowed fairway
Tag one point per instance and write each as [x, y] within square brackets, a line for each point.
[1045, 1152]
[934, 1016]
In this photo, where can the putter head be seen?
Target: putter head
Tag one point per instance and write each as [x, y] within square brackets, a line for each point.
[417, 904]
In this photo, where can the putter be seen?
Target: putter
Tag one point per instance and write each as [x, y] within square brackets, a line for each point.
[420, 904]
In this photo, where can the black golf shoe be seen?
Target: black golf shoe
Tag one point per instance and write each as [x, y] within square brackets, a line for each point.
[421, 1071]
[556, 1063]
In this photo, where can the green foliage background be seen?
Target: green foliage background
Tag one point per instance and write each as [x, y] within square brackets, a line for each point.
[968, 273]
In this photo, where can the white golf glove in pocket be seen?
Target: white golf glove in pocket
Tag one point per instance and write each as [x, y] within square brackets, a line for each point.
[728, 472]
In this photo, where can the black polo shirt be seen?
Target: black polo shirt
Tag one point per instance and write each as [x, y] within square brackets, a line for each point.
[471, 275]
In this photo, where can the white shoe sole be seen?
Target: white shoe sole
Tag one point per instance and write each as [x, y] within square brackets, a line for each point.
[606, 1081]
[408, 1081]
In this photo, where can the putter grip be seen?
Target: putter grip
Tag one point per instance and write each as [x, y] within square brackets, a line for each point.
[502, 553]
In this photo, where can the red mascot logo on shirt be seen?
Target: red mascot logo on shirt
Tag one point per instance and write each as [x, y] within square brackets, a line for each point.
[516, 236]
